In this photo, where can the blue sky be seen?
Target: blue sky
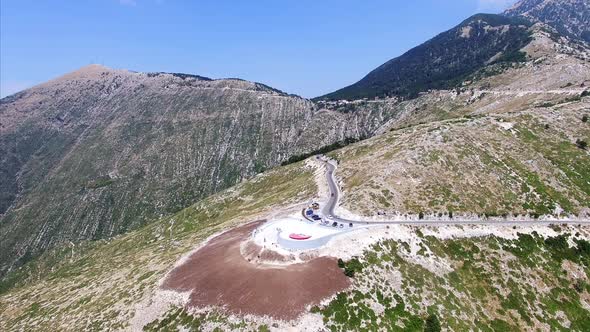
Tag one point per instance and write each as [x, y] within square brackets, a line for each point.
[303, 47]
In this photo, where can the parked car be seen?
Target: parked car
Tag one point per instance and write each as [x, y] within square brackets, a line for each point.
[335, 224]
[350, 225]
[341, 225]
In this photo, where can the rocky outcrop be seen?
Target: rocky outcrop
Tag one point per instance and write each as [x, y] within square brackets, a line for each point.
[569, 17]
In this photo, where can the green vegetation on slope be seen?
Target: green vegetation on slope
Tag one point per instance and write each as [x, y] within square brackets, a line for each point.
[521, 163]
[322, 150]
[492, 284]
[446, 60]
[495, 285]
[94, 286]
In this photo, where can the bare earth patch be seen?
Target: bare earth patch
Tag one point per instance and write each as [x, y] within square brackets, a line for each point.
[218, 275]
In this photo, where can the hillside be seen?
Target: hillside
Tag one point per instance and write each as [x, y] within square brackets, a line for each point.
[516, 146]
[101, 151]
[447, 60]
[444, 61]
[504, 143]
[570, 18]
[406, 277]
[453, 187]
[97, 285]
[496, 164]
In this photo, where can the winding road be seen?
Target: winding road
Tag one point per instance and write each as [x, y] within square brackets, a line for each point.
[330, 206]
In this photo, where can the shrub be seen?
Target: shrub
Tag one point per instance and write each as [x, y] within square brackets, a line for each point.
[350, 267]
[349, 272]
[259, 167]
[432, 324]
[579, 285]
[585, 118]
[581, 144]
[263, 328]
[99, 183]
[323, 150]
[355, 264]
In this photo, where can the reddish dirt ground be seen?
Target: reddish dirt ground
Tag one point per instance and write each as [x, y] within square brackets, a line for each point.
[219, 275]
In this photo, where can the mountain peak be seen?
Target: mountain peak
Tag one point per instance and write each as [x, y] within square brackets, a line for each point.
[91, 71]
[568, 17]
[93, 67]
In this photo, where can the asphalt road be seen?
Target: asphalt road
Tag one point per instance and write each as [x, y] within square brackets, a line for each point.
[328, 210]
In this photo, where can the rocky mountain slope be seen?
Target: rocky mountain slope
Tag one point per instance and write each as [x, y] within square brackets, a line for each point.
[569, 17]
[490, 164]
[504, 143]
[482, 40]
[405, 277]
[516, 146]
[96, 285]
[445, 60]
[100, 151]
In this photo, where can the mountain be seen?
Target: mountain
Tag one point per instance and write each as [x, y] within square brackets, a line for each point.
[504, 161]
[101, 151]
[568, 17]
[503, 143]
[113, 181]
[465, 277]
[444, 61]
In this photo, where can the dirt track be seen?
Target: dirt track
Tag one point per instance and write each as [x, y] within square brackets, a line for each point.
[219, 275]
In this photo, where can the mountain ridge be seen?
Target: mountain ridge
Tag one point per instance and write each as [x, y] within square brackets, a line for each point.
[100, 151]
[441, 62]
[115, 178]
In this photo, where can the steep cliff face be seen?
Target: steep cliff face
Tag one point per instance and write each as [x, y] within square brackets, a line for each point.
[568, 17]
[99, 151]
